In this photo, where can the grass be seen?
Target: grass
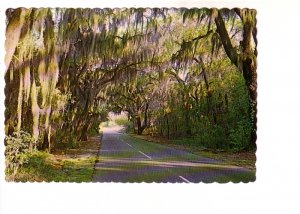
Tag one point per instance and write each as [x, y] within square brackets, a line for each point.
[55, 169]
[72, 165]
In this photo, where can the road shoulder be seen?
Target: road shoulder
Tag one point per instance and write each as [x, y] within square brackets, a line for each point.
[241, 159]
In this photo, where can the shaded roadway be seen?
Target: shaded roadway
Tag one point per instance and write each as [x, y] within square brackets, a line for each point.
[123, 158]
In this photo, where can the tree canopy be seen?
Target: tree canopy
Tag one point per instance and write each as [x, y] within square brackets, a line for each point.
[176, 72]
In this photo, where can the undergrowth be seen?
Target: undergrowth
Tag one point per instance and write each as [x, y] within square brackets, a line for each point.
[42, 166]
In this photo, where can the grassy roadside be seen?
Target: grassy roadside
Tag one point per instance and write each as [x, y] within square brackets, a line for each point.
[70, 165]
[242, 159]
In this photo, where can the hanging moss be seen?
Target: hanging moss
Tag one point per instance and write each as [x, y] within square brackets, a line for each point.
[79, 51]
[248, 15]
[16, 20]
[43, 77]
[47, 116]
[53, 71]
[52, 78]
[27, 83]
[20, 101]
[35, 112]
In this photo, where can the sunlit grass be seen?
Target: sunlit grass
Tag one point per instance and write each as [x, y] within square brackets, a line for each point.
[46, 167]
[72, 165]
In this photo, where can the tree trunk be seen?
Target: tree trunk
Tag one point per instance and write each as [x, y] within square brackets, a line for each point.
[250, 76]
[83, 134]
[249, 73]
[161, 133]
[145, 123]
[188, 130]
[139, 125]
[16, 20]
[168, 127]
[247, 62]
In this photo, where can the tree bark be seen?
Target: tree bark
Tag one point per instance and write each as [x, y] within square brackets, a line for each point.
[13, 32]
[168, 127]
[145, 123]
[139, 125]
[247, 64]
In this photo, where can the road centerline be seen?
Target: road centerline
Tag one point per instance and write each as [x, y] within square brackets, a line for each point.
[127, 163]
[129, 145]
[186, 180]
[145, 155]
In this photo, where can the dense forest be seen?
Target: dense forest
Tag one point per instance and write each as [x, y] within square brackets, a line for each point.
[177, 73]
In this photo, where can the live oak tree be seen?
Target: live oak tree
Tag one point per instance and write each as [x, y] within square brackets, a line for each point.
[236, 31]
[176, 72]
[134, 97]
[246, 60]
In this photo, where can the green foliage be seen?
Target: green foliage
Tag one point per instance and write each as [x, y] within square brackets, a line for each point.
[129, 128]
[239, 137]
[208, 115]
[93, 131]
[16, 151]
[37, 159]
[167, 68]
[217, 137]
[122, 121]
[71, 143]
[105, 124]
[42, 166]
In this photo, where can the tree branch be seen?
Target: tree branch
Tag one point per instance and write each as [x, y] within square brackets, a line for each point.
[176, 76]
[202, 36]
[221, 30]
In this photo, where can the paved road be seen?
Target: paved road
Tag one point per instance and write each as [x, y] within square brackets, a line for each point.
[127, 159]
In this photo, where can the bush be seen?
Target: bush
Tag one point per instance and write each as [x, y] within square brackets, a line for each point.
[122, 121]
[214, 137]
[37, 159]
[16, 151]
[239, 137]
[93, 131]
[105, 124]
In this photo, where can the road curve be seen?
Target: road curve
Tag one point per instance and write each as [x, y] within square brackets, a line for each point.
[123, 158]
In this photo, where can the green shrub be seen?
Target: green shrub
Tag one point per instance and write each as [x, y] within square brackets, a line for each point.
[71, 143]
[37, 159]
[16, 151]
[93, 131]
[129, 128]
[215, 138]
[239, 137]
[105, 124]
[122, 121]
